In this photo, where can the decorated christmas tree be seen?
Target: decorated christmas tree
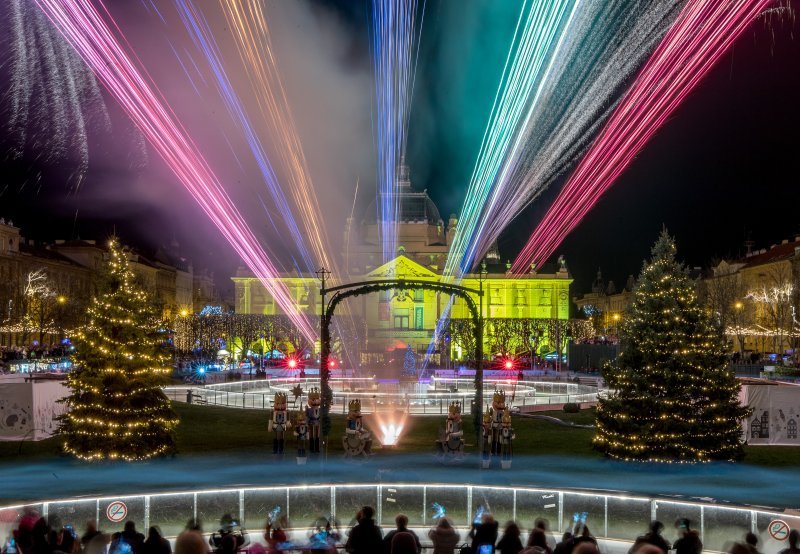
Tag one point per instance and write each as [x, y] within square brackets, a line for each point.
[117, 409]
[674, 398]
[409, 363]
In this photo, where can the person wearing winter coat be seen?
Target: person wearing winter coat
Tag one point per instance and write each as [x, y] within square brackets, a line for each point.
[445, 539]
[689, 541]
[654, 537]
[365, 537]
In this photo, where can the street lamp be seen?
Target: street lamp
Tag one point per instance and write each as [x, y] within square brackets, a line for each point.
[478, 417]
[324, 352]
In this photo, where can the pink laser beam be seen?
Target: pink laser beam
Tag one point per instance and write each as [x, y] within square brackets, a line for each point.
[702, 33]
[92, 38]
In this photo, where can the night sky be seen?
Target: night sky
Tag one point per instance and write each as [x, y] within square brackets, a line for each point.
[722, 170]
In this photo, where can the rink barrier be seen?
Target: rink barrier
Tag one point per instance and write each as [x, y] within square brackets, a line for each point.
[614, 518]
[259, 394]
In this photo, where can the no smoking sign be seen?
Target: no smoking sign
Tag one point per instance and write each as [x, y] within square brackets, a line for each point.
[116, 511]
[778, 530]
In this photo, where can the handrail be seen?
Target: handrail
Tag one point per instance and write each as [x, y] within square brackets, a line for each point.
[611, 516]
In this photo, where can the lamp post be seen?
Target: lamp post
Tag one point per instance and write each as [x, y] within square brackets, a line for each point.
[324, 353]
[738, 305]
[478, 417]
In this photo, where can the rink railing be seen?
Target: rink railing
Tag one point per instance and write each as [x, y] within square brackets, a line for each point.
[416, 399]
[610, 517]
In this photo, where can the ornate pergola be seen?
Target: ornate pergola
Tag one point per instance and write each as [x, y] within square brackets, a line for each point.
[341, 292]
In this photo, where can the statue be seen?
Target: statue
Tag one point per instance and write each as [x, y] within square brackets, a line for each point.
[301, 436]
[280, 422]
[506, 441]
[497, 411]
[451, 443]
[357, 440]
[313, 419]
[487, 439]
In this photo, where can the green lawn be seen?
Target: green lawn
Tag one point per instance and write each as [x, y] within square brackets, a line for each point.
[246, 430]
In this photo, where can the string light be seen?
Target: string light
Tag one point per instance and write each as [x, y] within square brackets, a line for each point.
[674, 399]
[117, 408]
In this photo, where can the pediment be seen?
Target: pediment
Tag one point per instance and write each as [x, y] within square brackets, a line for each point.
[402, 267]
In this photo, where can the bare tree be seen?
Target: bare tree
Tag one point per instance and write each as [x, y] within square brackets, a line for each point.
[774, 301]
[726, 296]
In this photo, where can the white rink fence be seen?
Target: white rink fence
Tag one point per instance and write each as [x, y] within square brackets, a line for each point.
[616, 519]
[413, 398]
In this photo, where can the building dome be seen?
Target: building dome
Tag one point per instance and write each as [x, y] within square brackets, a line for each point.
[413, 206]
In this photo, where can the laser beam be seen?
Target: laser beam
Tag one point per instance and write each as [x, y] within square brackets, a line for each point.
[203, 38]
[539, 33]
[93, 37]
[703, 32]
[393, 23]
[250, 31]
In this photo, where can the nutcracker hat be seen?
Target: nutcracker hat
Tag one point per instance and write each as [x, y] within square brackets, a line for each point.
[499, 396]
[313, 395]
[507, 418]
[355, 405]
[280, 398]
[299, 418]
[487, 417]
[455, 408]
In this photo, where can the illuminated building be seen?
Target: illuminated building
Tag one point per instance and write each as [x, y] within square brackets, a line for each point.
[395, 319]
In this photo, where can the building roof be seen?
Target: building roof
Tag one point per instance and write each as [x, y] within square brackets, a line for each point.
[413, 206]
[776, 253]
[45, 253]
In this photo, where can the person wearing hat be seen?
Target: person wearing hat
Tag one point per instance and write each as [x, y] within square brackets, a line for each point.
[689, 541]
[652, 537]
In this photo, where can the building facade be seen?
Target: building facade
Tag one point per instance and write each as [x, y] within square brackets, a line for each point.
[605, 305]
[69, 270]
[757, 298]
[396, 319]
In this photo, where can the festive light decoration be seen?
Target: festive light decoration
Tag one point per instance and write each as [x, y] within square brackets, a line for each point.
[540, 31]
[251, 35]
[117, 409]
[673, 397]
[703, 32]
[93, 37]
[393, 23]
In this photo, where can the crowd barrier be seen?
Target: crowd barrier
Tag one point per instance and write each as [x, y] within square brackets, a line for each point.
[611, 517]
[416, 399]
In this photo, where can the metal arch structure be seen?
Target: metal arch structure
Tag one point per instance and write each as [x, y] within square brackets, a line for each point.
[341, 292]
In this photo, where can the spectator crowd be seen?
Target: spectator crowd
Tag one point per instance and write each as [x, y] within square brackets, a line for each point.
[39, 535]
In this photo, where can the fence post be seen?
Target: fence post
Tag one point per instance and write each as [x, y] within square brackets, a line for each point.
[424, 505]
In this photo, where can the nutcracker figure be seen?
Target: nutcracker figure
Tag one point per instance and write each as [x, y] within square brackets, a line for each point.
[313, 419]
[506, 441]
[301, 437]
[497, 411]
[280, 422]
[357, 440]
[487, 438]
[451, 442]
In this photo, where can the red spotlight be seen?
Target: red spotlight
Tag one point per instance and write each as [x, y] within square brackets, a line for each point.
[292, 363]
[331, 363]
[509, 364]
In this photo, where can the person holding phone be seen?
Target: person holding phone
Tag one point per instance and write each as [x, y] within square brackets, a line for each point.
[484, 534]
